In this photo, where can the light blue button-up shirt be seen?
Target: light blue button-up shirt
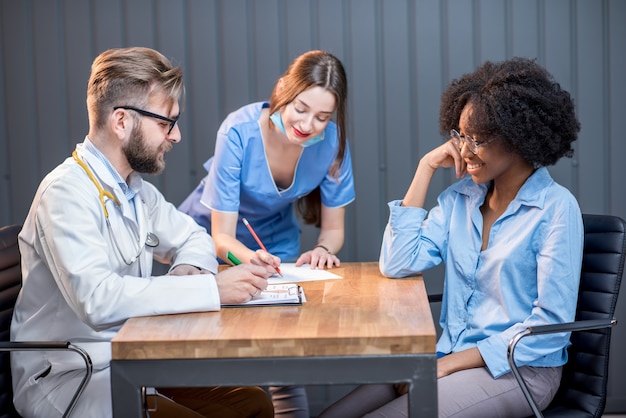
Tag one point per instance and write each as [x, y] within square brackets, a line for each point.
[129, 192]
[528, 275]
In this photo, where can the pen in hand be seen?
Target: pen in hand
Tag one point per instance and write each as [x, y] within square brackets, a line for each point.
[234, 260]
[258, 241]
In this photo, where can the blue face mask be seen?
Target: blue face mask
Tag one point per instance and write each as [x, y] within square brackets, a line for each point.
[278, 121]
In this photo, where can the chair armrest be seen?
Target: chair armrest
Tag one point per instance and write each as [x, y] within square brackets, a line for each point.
[33, 345]
[570, 326]
[548, 329]
[55, 346]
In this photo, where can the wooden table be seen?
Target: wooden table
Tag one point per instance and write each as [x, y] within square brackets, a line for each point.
[364, 328]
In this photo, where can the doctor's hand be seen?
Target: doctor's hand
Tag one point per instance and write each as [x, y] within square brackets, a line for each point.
[318, 258]
[241, 283]
[186, 270]
[265, 259]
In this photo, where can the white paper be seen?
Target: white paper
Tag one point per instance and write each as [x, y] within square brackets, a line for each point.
[304, 273]
[276, 294]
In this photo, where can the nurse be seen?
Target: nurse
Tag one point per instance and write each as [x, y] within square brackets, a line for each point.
[272, 155]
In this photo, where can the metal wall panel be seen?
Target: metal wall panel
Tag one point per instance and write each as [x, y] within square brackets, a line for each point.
[614, 109]
[399, 55]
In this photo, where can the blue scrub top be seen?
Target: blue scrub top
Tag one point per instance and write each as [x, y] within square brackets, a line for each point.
[240, 181]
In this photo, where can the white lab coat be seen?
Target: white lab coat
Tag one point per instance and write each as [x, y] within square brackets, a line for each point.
[76, 287]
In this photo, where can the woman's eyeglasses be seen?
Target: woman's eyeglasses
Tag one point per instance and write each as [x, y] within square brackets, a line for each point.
[469, 141]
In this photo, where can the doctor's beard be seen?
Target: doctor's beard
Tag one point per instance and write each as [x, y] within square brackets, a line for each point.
[140, 157]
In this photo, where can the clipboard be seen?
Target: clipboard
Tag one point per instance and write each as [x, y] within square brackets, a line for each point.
[283, 294]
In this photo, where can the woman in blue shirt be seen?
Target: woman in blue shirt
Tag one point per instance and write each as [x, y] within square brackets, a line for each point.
[269, 156]
[510, 237]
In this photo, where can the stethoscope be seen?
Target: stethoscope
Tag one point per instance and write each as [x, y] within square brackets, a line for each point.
[151, 239]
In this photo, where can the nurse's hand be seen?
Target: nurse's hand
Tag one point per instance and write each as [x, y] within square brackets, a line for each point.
[318, 258]
[241, 283]
[265, 259]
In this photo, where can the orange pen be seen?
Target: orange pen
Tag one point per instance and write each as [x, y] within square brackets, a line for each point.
[258, 241]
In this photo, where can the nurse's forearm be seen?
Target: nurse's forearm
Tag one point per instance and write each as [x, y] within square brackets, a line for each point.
[330, 240]
[332, 229]
[224, 230]
[225, 243]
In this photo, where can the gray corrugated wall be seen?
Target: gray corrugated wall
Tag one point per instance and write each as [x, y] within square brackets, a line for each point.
[399, 55]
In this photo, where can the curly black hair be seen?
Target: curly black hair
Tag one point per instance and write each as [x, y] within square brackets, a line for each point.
[518, 102]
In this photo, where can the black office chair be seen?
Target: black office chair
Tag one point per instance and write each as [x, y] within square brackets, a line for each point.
[10, 284]
[583, 386]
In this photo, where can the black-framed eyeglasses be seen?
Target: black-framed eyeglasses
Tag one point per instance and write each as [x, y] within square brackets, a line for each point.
[471, 142]
[142, 112]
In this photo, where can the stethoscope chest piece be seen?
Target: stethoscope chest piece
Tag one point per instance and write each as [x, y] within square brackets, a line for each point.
[152, 240]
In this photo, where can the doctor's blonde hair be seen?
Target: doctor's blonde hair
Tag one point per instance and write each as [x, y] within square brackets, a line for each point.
[127, 77]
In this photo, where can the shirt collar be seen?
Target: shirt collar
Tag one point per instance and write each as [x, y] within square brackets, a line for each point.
[532, 192]
[129, 192]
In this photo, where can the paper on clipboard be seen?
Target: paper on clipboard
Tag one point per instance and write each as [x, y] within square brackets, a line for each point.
[304, 273]
[275, 294]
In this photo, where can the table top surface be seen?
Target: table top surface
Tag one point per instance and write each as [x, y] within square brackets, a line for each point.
[364, 313]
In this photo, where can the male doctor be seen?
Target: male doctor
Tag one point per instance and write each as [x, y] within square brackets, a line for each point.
[89, 241]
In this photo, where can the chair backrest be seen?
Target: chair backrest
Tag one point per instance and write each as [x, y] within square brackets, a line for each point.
[583, 386]
[10, 284]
